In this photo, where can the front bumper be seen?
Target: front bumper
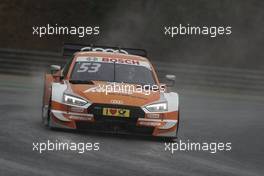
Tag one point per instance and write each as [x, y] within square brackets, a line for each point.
[164, 124]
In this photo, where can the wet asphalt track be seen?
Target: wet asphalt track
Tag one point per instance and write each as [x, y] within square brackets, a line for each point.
[205, 117]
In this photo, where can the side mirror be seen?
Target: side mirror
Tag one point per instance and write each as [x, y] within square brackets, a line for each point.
[170, 80]
[54, 69]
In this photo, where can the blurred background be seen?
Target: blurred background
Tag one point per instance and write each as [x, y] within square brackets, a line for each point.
[140, 24]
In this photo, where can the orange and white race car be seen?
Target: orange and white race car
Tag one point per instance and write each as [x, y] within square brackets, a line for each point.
[109, 89]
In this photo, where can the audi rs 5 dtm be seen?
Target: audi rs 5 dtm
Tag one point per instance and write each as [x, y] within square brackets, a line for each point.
[109, 89]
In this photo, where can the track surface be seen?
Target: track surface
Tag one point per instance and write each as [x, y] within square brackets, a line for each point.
[205, 117]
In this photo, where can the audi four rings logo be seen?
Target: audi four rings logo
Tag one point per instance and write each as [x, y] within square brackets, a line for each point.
[105, 50]
[117, 102]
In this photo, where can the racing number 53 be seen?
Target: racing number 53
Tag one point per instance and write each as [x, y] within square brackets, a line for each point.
[89, 67]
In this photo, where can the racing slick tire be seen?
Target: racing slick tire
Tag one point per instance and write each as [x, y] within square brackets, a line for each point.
[46, 116]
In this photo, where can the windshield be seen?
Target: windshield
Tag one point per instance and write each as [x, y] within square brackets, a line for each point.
[112, 72]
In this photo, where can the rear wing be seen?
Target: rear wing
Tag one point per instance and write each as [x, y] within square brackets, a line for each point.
[69, 49]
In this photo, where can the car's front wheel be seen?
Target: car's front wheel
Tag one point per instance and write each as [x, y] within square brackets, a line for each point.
[46, 115]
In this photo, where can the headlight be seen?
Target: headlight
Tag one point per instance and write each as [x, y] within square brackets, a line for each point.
[72, 100]
[158, 107]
